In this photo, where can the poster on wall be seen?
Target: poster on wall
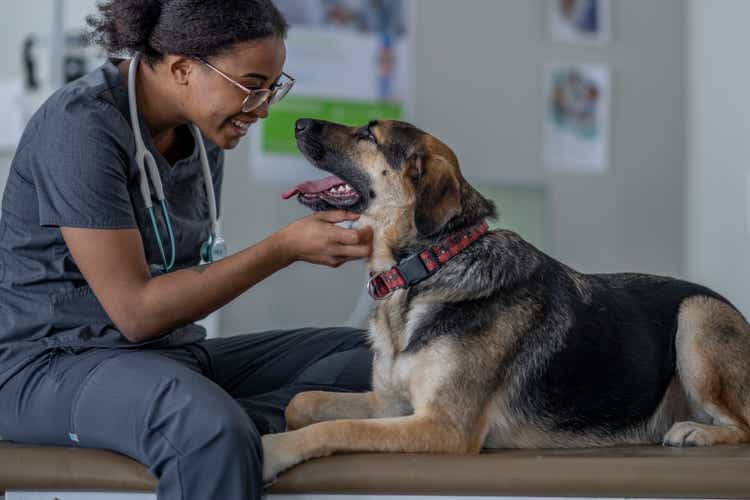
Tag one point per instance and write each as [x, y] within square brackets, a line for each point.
[579, 21]
[351, 61]
[575, 117]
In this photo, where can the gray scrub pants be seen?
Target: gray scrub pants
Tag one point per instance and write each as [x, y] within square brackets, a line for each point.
[193, 414]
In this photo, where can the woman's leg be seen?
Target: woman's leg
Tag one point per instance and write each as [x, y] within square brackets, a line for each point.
[191, 434]
[264, 371]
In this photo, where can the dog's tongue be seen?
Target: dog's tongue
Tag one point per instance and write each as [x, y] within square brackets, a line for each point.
[312, 187]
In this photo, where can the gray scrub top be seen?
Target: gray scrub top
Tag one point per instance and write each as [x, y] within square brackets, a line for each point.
[75, 167]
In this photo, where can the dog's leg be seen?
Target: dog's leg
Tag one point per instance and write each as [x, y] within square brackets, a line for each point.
[423, 432]
[713, 346]
[319, 406]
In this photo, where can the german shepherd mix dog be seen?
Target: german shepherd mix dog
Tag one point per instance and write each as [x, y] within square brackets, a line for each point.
[503, 346]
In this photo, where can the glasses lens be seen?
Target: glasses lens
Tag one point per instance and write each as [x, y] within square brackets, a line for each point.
[254, 100]
[281, 92]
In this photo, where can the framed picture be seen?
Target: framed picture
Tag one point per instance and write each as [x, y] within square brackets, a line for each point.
[579, 21]
[575, 117]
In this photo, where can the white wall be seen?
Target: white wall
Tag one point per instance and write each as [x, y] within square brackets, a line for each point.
[478, 79]
[718, 194]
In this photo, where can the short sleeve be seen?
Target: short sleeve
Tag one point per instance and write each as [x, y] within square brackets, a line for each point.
[79, 163]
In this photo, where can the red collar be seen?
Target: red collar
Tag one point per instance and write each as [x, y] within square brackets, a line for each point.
[421, 265]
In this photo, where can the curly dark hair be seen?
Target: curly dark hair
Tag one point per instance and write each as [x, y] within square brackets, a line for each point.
[198, 28]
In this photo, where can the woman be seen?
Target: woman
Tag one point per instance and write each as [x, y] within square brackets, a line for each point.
[97, 344]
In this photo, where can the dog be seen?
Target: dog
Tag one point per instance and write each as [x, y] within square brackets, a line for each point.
[503, 346]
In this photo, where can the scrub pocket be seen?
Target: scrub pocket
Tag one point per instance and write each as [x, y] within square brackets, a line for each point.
[59, 359]
[76, 307]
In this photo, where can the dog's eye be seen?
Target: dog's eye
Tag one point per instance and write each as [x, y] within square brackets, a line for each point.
[365, 134]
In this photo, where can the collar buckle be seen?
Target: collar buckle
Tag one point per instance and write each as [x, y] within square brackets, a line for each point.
[377, 287]
[413, 269]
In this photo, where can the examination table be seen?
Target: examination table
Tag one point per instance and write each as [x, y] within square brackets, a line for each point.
[48, 473]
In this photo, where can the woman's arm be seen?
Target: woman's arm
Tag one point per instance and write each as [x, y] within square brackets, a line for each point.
[113, 263]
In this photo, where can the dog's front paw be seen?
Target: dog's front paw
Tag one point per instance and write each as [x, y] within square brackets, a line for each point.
[690, 434]
[279, 454]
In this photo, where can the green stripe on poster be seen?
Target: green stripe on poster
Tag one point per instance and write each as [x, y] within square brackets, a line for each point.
[277, 134]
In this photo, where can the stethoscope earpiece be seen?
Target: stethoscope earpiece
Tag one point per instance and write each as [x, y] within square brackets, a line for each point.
[212, 249]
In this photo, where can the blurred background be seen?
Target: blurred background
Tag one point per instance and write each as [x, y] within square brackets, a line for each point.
[614, 135]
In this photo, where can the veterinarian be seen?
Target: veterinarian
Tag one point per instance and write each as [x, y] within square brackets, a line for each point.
[100, 281]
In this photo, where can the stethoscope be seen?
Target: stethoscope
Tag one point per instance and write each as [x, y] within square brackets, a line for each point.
[212, 249]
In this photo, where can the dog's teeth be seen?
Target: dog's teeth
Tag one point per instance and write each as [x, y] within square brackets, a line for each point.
[340, 190]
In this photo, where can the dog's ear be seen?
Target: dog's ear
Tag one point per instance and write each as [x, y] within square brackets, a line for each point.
[437, 189]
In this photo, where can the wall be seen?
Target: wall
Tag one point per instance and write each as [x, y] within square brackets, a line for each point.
[718, 195]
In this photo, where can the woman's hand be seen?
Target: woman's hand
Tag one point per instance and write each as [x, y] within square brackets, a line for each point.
[317, 239]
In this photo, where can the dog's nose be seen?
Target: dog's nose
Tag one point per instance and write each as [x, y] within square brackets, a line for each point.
[308, 126]
[302, 124]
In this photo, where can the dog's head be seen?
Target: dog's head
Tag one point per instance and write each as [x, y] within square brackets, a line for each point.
[404, 181]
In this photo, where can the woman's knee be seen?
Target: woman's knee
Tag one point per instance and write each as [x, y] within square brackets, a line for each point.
[350, 338]
[342, 370]
[198, 432]
[161, 409]
[201, 415]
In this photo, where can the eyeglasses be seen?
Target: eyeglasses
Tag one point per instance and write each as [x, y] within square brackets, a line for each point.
[256, 97]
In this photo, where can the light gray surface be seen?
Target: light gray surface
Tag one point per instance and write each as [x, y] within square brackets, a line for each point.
[5, 158]
[718, 195]
[629, 218]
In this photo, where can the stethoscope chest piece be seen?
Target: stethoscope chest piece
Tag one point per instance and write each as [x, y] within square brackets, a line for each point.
[213, 249]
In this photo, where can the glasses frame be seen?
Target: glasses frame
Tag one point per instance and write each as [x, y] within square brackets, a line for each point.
[272, 95]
